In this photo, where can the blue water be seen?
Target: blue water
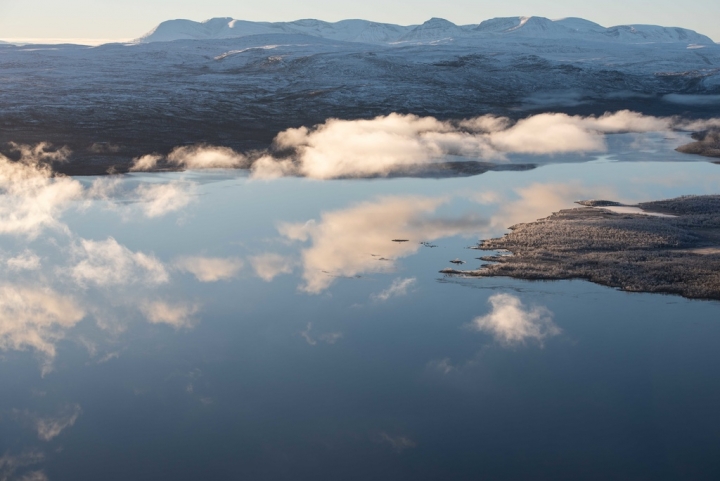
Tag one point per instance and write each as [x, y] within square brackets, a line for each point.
[324, 372]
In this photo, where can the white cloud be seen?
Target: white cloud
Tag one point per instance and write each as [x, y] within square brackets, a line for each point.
[306, 335]
[395, 142]
[145, 163]
[207, 157]
[399, 287]
[387, 144]
[103, 188]
[50, 428]
[510, 322]
[553, 133]
[328, 337]
[359, 239]
[695, 125]
[35, 318]
[178, 315]
[108, 357]
[107, 263]
[359, 148]
[539, 200]
[331, 337]
[154, 199]
[33, 198]
[160, 199]
[267, 167]
[25, 261]
[34, 476]
[210, 269]
[268, 266]
[11, 464]
[443, 366]
[42, 153]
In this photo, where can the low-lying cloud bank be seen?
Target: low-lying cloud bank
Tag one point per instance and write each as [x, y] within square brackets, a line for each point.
[393, 143]
[34, 197]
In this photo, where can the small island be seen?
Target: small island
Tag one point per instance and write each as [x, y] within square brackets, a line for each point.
[668, 246]
[706, 143]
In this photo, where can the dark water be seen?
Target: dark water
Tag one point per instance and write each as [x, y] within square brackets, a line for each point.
[317, 360]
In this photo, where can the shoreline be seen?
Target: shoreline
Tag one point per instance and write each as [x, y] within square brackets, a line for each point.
[633, 252]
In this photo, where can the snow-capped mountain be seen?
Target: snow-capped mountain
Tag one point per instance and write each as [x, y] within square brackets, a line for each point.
[362, 31]
[236, 83]
[433, 30]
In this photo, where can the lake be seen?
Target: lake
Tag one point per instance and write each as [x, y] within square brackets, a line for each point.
[205, 325]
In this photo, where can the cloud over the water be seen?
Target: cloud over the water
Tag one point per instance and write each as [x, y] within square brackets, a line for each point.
[175, 315]
[539, 200]
[359, 240]
[399, 287]
[50, 427]
[108, 263]
[16, 467]
[268, 266]
[32, 196]
[35, 318]
[510, 322]
[160, 199]
[24, 261]
[210, 269]
[145, 163]
[327, 337]
[403, 143]
[205, 157]
[391, 143]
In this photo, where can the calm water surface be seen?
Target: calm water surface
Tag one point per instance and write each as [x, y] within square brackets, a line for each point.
[327, 351]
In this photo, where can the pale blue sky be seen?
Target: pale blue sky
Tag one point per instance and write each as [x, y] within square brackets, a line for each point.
[126, 19]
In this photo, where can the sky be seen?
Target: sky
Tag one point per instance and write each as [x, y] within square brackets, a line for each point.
[129, 19]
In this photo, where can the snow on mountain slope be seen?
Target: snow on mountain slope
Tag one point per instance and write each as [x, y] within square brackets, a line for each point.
[654, 33]
[435, 29]
[362, 31]
[210, 29]
[580, 24]
[524, 26]
[240, 91]
[217, 28]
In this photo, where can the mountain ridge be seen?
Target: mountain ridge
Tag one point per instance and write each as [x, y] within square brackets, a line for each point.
[435, 29]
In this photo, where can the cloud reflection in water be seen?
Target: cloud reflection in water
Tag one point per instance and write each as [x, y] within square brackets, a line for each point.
[359, 240]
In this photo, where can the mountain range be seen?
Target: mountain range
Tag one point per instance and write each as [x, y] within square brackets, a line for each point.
[237, 84]
[435, 29]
